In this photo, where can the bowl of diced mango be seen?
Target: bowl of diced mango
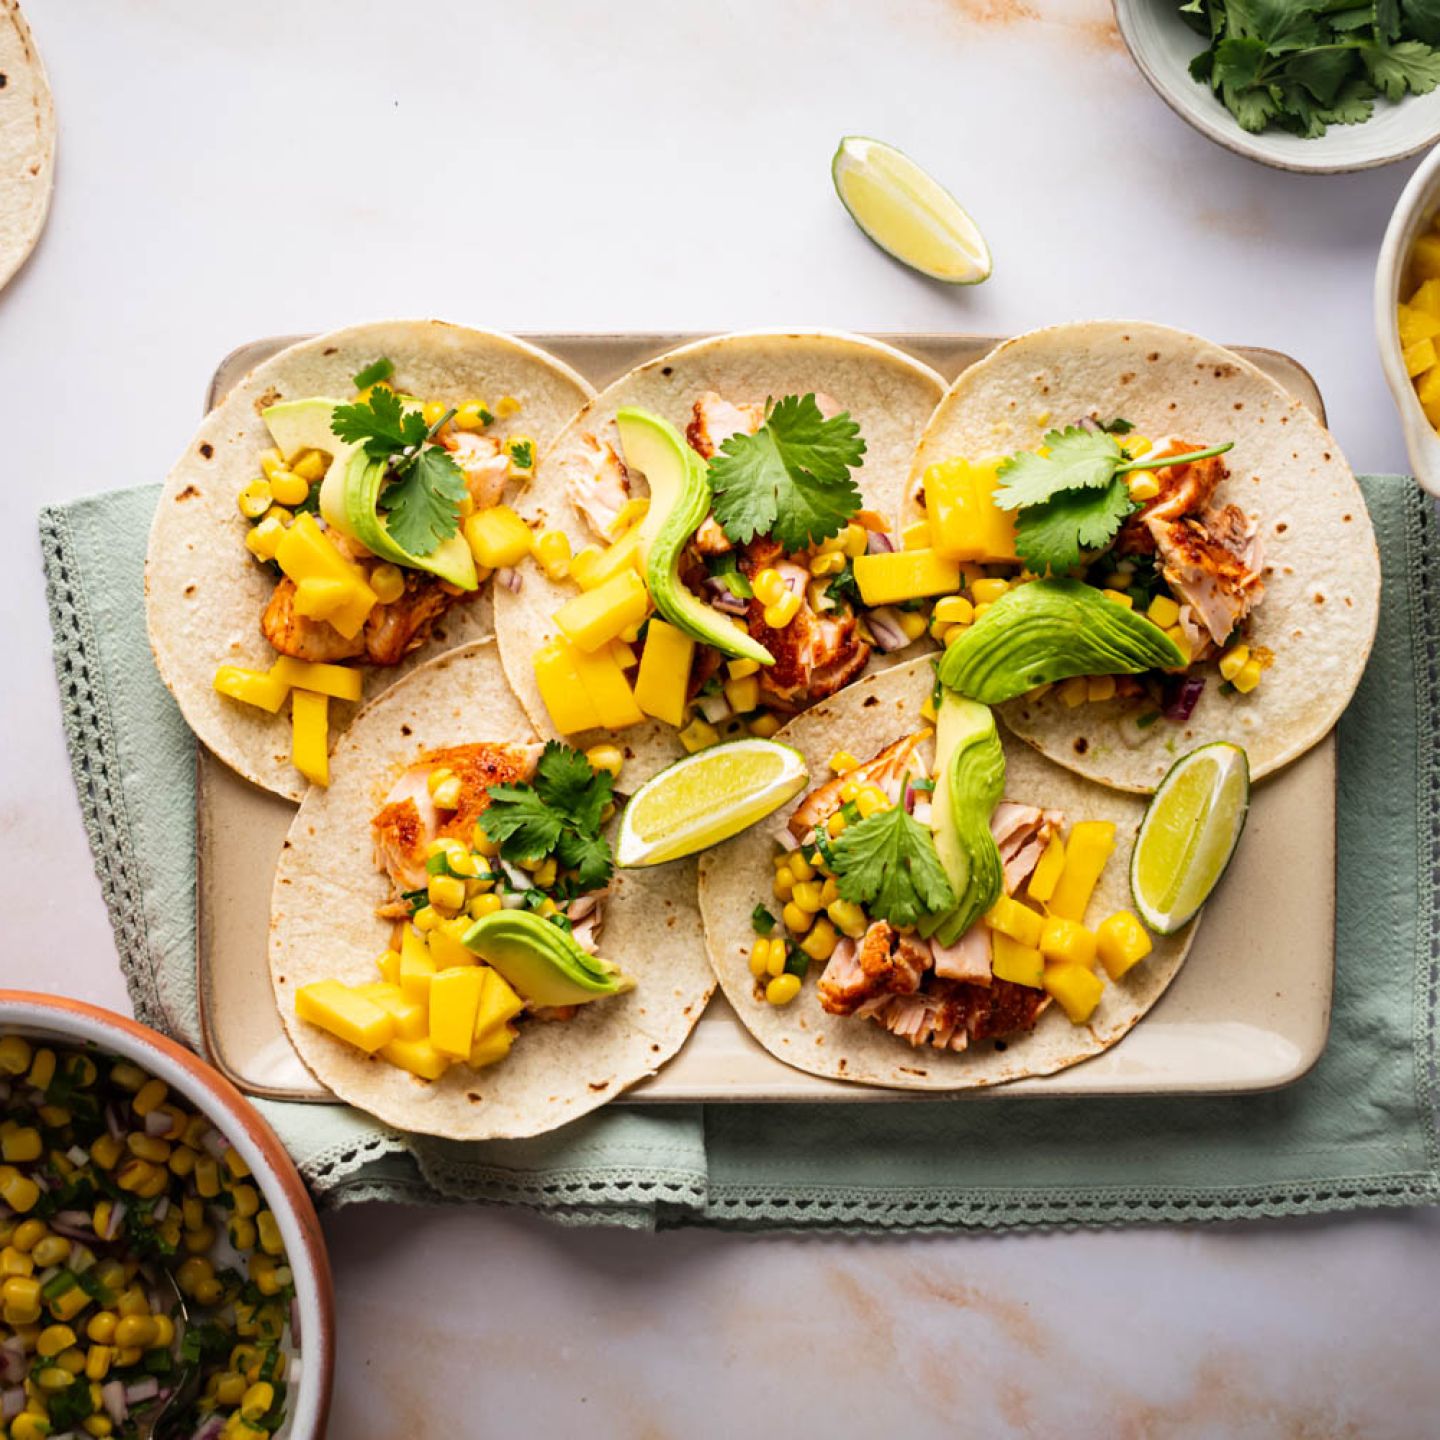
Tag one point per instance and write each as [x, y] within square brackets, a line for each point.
[1407, 317]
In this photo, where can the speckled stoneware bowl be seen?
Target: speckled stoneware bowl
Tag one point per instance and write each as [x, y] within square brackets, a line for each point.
[1417, 207]
[1163, 45]
[56, 1019]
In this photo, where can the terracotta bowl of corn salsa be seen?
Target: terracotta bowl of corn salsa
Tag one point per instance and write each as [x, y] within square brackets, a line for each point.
[133, 1178]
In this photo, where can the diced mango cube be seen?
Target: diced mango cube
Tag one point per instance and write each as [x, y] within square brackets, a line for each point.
[254, 687]
[1425, 258]
[1067, 941]
[1075, 988]
[558, 681]
[346, 1014]
[305, 552]
[890, 577]
[417, 969]
[1419, 357]
[965, 522]
[492, 1046]
[592, 567]
[1020, 964]
[1017, 921]
[446, 949]
[1046, 874]
[454, 999]
[1416, 325]
[498, 1003]
[388, 964]
[419, 1057]
[596, 617]
[916, 536]
[318, 597]
[1121, 941]
[1086, 852]
[607, 689]
[340, 682]
[310, 735]
[1427, 389]
[1426, 299]
[664, 673]
[497, 536]
[409, 1016]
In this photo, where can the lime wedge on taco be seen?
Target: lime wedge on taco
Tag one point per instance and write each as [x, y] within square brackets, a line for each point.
[706, 798]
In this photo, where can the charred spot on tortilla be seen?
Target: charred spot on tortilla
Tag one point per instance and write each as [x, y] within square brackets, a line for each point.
[871, 700]
[188, 493]
[1081, 745]
[406, 730]
[331, 350]
[266, 399]
[206, 449]
[189, 591]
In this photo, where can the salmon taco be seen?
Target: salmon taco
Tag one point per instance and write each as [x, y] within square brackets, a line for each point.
[451, 946]
[947, 910]
[1154, 546]
[702, 525]
[318, 536]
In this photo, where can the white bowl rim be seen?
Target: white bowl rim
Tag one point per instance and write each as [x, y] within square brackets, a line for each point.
[78, 1020]
[1233, 138]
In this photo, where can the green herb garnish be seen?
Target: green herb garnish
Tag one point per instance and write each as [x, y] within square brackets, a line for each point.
[1075, 498]
[888, 863]
[373, 373]
[761, 920]
[791, 479]
[558, 813]
[1301, 65]
[726, 567]
[422, 500]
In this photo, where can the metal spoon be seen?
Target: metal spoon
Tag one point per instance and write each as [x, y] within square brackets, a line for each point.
[154, 1424]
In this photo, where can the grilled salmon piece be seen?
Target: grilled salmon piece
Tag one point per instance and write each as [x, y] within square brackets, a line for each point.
[887, 770]
[301, 637]
[1184, 490]
[408, 821]
[1206, 573]
[601, 494]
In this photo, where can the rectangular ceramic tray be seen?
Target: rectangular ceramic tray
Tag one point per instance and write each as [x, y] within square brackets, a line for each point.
[1249, 1010]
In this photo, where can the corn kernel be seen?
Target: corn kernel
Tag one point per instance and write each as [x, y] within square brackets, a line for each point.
[606, 757]
[854, 540]
[783, 611]
[21, 1144]
[759, 957]
[912, 624]
[743, 669]
[956, 609]
[18, 1191]
[871, 800]
[1100, 687]
[764, 724]
[52, 1250]
[255, 499]
[388, 583]
[42, 1070]
[987, 592]
[28, 1235]
[150, 1094]
[446, 892]
[472, 415]
[847, 917]
[827, 563]
[1142, 486]
[552, 550]
[1233, 661]
[288, 488]
[820, 943]
[1248, 676]
[835, 825]
[800, 867]
[807, 896]
[768, 586]
[1119, 597]
[796, 920]
[782, 989]
[698, 735]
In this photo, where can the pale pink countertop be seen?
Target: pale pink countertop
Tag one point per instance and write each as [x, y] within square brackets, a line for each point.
[230, 171]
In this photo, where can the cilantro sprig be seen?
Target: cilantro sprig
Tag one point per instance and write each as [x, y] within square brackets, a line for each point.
[791, 479]
[557, 813]
[1302, 65]
[1074, 498]
[888, 863]
[422, 500]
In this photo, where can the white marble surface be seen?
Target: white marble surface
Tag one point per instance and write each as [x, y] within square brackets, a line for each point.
[231, 170]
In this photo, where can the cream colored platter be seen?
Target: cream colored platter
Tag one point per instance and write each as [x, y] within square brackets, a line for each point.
[1250, 1009]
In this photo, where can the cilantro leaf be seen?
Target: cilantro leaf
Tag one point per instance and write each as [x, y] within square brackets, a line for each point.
[888, 862]
[380, 424]
[791, 478]
[423, 505]
[1050, 537]
[1078, 459]
[565, 779]
[1408, 65]
[520, 822]
[587, 855]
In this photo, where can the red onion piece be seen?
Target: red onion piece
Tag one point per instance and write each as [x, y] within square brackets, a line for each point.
[112, 1397]
[509, 578]
[114, 1126]
[212, 1429]
[73, 1224]
[157, 1123]
[215, 1144]
[884, 623]
[146, 1389]
[878, 544]
[721, 597]
[12, 1401]
[1180, 702]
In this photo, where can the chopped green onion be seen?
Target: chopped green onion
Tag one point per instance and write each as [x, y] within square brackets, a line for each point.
[374, 373]
[797, 962]
[762, 920]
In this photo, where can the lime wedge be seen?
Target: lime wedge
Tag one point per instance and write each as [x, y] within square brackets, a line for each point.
[707, 797]
[1189, 833]
[907, 214]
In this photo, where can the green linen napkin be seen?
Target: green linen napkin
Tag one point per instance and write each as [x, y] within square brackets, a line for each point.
[1358, 1130]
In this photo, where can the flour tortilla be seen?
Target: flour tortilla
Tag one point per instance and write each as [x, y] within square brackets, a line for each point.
[204, 592]
[322, 924]
[888, 393]
[737, 876]
[27, 141]
[1322, 570]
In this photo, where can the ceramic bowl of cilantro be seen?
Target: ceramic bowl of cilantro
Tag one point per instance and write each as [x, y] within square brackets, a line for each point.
[1305, 86]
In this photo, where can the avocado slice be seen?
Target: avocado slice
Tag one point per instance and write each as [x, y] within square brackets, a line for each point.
[361, 486]
[541, 962]
[1049, 630]
[969, 781]
[350, 491]
[679, 502]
